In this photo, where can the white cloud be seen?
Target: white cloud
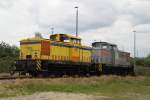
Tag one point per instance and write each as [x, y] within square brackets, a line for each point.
[109, 20]
[121, 34]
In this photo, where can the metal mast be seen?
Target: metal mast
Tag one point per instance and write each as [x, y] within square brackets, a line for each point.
[76, 7]
[134, 48]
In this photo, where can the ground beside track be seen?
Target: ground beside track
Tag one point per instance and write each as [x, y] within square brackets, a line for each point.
[57, 96]
[111, 87]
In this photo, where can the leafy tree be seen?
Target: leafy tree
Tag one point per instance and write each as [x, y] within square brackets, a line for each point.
[147, 61]
[7, 50]
[8, 54]
[140, 61]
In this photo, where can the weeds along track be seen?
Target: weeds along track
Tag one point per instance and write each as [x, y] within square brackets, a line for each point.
[55, 77]
[50, 77]
[30, 77]
[13, 78]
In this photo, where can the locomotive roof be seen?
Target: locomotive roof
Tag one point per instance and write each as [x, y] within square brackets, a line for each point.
[34, 39]
[104, 43]
[68, 35]
[124, 52]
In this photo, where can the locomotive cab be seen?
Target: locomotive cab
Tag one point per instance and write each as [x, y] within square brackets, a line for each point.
[65, 38]
[104, 53]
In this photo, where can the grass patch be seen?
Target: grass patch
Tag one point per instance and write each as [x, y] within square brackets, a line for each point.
[116, 87]
[143, 71]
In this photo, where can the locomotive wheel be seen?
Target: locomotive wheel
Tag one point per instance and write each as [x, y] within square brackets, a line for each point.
[87, 75]
[33, 74]
[12, 70]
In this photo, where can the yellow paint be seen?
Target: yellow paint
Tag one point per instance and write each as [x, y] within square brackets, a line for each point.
[73, 52]
[30, 49]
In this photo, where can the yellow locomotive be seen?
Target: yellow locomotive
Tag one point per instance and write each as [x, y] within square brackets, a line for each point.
[61, 54]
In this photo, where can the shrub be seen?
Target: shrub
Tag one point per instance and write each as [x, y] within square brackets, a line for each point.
[7, 56]
[147, 61]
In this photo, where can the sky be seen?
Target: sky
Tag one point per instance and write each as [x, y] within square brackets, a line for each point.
[99, 20]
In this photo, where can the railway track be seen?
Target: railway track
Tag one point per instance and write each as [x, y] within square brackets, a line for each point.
[13, 78]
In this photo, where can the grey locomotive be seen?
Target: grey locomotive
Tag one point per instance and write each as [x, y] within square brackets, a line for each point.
[109, 59]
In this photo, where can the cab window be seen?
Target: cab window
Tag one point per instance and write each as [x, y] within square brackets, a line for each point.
[53, 38]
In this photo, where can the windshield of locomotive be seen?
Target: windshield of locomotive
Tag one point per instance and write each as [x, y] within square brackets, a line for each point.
[53, 38]
[64, 38]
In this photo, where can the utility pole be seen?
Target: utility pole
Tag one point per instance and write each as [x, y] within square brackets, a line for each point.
[134, 48]
[76, 7]
[52, 30]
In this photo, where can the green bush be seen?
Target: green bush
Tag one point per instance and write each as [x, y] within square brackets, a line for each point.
[8, 51]
[140, 61]
[147, 61]
[5, 63]
[142, 71]
[8, 54]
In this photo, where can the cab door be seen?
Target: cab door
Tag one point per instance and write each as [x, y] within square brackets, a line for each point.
[45, 48]
[75, 54]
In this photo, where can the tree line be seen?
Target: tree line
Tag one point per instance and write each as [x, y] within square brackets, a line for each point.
[8, 54]
[145, 61]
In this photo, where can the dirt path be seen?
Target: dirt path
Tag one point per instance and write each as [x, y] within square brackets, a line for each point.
[57, 96]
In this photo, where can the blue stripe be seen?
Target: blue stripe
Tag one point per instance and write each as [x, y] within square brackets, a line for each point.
[21, 43]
